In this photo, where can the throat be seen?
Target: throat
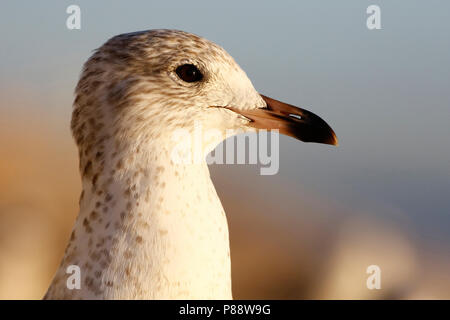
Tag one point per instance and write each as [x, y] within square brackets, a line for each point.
[153, 232]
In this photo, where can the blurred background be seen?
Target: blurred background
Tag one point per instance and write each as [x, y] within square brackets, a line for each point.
[382, 197]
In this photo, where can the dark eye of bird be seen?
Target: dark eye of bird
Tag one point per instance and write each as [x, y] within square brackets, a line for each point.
[189, 73]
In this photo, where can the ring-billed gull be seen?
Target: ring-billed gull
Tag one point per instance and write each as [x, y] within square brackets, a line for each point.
[148, 226]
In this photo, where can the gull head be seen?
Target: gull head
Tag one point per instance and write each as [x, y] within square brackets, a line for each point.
[138, 88]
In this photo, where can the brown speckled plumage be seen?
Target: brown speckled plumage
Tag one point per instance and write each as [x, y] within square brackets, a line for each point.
[149, 228]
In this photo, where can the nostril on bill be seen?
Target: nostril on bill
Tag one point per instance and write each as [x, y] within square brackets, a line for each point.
[295, 116]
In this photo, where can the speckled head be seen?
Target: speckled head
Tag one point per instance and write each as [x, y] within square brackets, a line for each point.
[139, 87]
[131, 83]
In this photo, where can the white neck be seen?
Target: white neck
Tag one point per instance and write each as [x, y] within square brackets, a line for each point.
[148, 229]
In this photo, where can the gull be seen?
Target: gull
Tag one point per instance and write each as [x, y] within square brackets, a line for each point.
[150, 227]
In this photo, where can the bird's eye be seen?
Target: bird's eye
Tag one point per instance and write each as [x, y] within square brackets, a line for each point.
[189, 73]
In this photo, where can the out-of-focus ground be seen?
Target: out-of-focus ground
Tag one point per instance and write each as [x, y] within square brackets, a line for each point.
[286, 244]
